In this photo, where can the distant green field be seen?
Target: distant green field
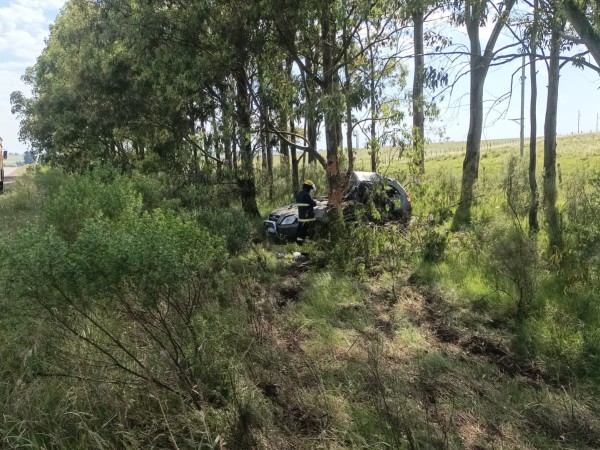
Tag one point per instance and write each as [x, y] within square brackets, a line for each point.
[573, 153]
[13, 159]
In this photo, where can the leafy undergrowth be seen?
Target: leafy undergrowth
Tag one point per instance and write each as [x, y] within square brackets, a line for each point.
[138, 323]
[388, 363]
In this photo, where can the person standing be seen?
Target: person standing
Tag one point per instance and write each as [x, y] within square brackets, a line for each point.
[306, 211]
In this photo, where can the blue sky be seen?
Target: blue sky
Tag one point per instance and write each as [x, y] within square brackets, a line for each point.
[579, 97]
[24, 24]
[23, 28]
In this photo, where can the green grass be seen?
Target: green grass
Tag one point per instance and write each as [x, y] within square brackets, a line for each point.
[449, 155]
[12, 160]
[384, 338]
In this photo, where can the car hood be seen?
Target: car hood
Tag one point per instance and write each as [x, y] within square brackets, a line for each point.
[293, 209]
[285, 210]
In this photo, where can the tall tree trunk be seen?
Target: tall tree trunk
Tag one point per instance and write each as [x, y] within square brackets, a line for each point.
[349, 126]
[311, 115]
[217, 145]
[227, 140]
[347, 88]
[264, 139]
[234, 147]
[576, 13]
[418, 131]
[470, 171]
[270, 164]
[245, 178]
[479, 65]
[332, 121]
[264, 118]
[294, 159]
[205, 146]
[284, 148]
[550, 192]
[373, 142]
[533, 187]
[311, 134]
[227, 149]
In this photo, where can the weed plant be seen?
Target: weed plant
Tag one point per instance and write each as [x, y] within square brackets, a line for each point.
[154, 318]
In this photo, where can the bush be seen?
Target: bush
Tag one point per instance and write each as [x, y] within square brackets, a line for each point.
[232, 225]
[438, 198]
[434, 244]
[121, 287]
[512, 262]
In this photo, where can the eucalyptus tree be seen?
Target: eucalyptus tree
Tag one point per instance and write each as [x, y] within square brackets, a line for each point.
[555, 21]
[533, 35]
[321, 28]
[418, 132]
[473, 14]
[326, 41]
[77, 112]
[181, 54]
[121, 74]
[383, 75]
[96, 93]
[417, 12]
[584, 16]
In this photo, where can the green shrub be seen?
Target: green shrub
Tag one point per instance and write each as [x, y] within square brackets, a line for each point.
[434, 244]
[511, 261]
[120, 286]
[80, 198]
[438, 197]
[154, 191]
[232, 225]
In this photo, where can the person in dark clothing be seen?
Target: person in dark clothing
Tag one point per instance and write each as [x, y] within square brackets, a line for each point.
[306, 212]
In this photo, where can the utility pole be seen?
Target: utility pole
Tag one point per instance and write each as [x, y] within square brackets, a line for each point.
[596, 122]
[578, 120]
[523, 78]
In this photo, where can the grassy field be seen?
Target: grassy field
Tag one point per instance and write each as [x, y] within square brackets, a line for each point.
[133, 317]
[449, 156]
[12, 160]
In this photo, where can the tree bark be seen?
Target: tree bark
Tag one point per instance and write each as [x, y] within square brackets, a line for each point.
[533, 187]
[270, 165]
[227, 140]
[373, 142]
[550, 192]
[347, 89]
[264, 142]
[294, 160]
[311, 115]
[284, 147]
[578, 18]
[418, 130]
[332, 121]
[473, 145]
[349, 125]
[479, 65]
[245, 178]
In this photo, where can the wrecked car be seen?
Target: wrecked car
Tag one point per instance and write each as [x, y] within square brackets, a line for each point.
[378, 196]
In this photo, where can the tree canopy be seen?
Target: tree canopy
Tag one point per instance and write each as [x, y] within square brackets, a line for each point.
[203, 88]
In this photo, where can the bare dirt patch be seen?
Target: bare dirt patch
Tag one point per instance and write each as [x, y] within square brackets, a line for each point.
[432, 313]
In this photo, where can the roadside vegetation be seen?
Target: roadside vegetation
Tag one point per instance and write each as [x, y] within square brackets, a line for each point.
[142, 306]
[136, 314]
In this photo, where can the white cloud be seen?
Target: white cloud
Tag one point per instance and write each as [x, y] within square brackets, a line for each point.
[24, 25]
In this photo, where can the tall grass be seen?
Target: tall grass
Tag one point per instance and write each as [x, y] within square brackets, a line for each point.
[156, 317]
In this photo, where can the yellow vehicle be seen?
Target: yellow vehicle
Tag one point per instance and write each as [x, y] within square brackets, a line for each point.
[3, 156]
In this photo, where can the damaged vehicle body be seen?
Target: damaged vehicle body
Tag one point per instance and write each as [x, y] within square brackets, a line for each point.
[375, 196]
